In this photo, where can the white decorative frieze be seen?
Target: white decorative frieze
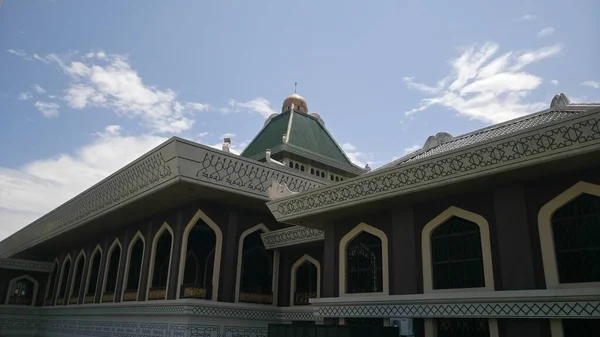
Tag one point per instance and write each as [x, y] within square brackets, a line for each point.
[291, 236]
[27, 265]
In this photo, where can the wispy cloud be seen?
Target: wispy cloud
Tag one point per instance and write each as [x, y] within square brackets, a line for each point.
[526, 17]
[486, 86]
[38, 88]
[48, 109]
[258, 105]
[554, 82]
[358, 157]
[100, 79]
[591, 84]
[24, 96]
[20, 53]
[545, 32]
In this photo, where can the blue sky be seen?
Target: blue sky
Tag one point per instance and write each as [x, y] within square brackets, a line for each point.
[88, 86]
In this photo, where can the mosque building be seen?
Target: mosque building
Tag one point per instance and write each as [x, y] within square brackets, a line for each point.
[495, 233]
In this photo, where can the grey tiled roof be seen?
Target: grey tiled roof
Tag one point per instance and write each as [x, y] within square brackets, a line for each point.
[495, 131]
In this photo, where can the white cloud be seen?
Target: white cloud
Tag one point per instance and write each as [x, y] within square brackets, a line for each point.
[48, 109]
[554, 82]
[486, 86]
[25, 190]
[591, 84]
[38, 88]
[526, 17]
[24, 96]
[545, 32]
[98, 79]
[357, 157]
[20, 53]
[203, 134]
[258, 105]
[412, 149]
[227, 135]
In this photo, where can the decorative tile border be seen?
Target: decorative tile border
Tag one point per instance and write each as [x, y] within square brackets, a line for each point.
[291, 236]
[44, 267]
[548, 142]
[570, 309]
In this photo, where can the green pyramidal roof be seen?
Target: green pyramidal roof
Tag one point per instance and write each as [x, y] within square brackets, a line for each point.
[306, 137]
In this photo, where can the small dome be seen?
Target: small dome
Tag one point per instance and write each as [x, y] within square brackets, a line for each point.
[298, 101]
[318, 117]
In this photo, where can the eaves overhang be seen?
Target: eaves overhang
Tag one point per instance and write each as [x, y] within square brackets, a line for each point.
[26, 265]
[174, 161]
[566, 138]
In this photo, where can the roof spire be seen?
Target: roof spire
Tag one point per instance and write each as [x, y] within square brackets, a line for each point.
[295, 86]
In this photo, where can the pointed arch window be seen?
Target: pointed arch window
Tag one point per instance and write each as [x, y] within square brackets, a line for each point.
[457, 260]
[133, 271]
[93, 274]
[77, 279]
[63, 280]
[364, 264]
[160, 264]
[50, 292]
[256, 270]
[576, 233]
[111, 272]
[22, 291]
[305, 280]
[198, 272]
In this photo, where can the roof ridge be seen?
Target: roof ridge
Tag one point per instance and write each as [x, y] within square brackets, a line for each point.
[264, 127]
[324, 128]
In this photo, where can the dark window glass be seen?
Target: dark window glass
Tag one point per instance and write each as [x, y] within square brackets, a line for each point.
[113, 269]
[581, 327]
[456, 255]
[197, 277]
[257, 271]
[62, 287]
[161, 260]
[135, 266]
[363, 264]
[53, 280]
[576, 229]
[462, 327]
[306, 283]
[94, 271]
[22, 292]
[78, 279]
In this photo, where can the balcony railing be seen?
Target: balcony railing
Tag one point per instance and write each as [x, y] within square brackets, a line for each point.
[89, 299]
[73, 299]
[196, 291]
[256, 298]
[130, 295]
[108, 296]
[20, 300]
[302, 298]
[157, 293]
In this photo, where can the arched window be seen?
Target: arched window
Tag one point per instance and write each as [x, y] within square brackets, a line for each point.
[576, 233]
[160, 263]
[456, 254]
[77, 278]
[569, 231]
[291, 164]
[62, 281]
[363, 255]
[296, 166]
[457, 260]
[92, 278]
[305, 281]
[22, 290]
[302, 168]
[199, 267]
[255, 268]
[312, 171]
[133, 269]
[111, 272]
[322, 174]
[364, 265]
[52, 279]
